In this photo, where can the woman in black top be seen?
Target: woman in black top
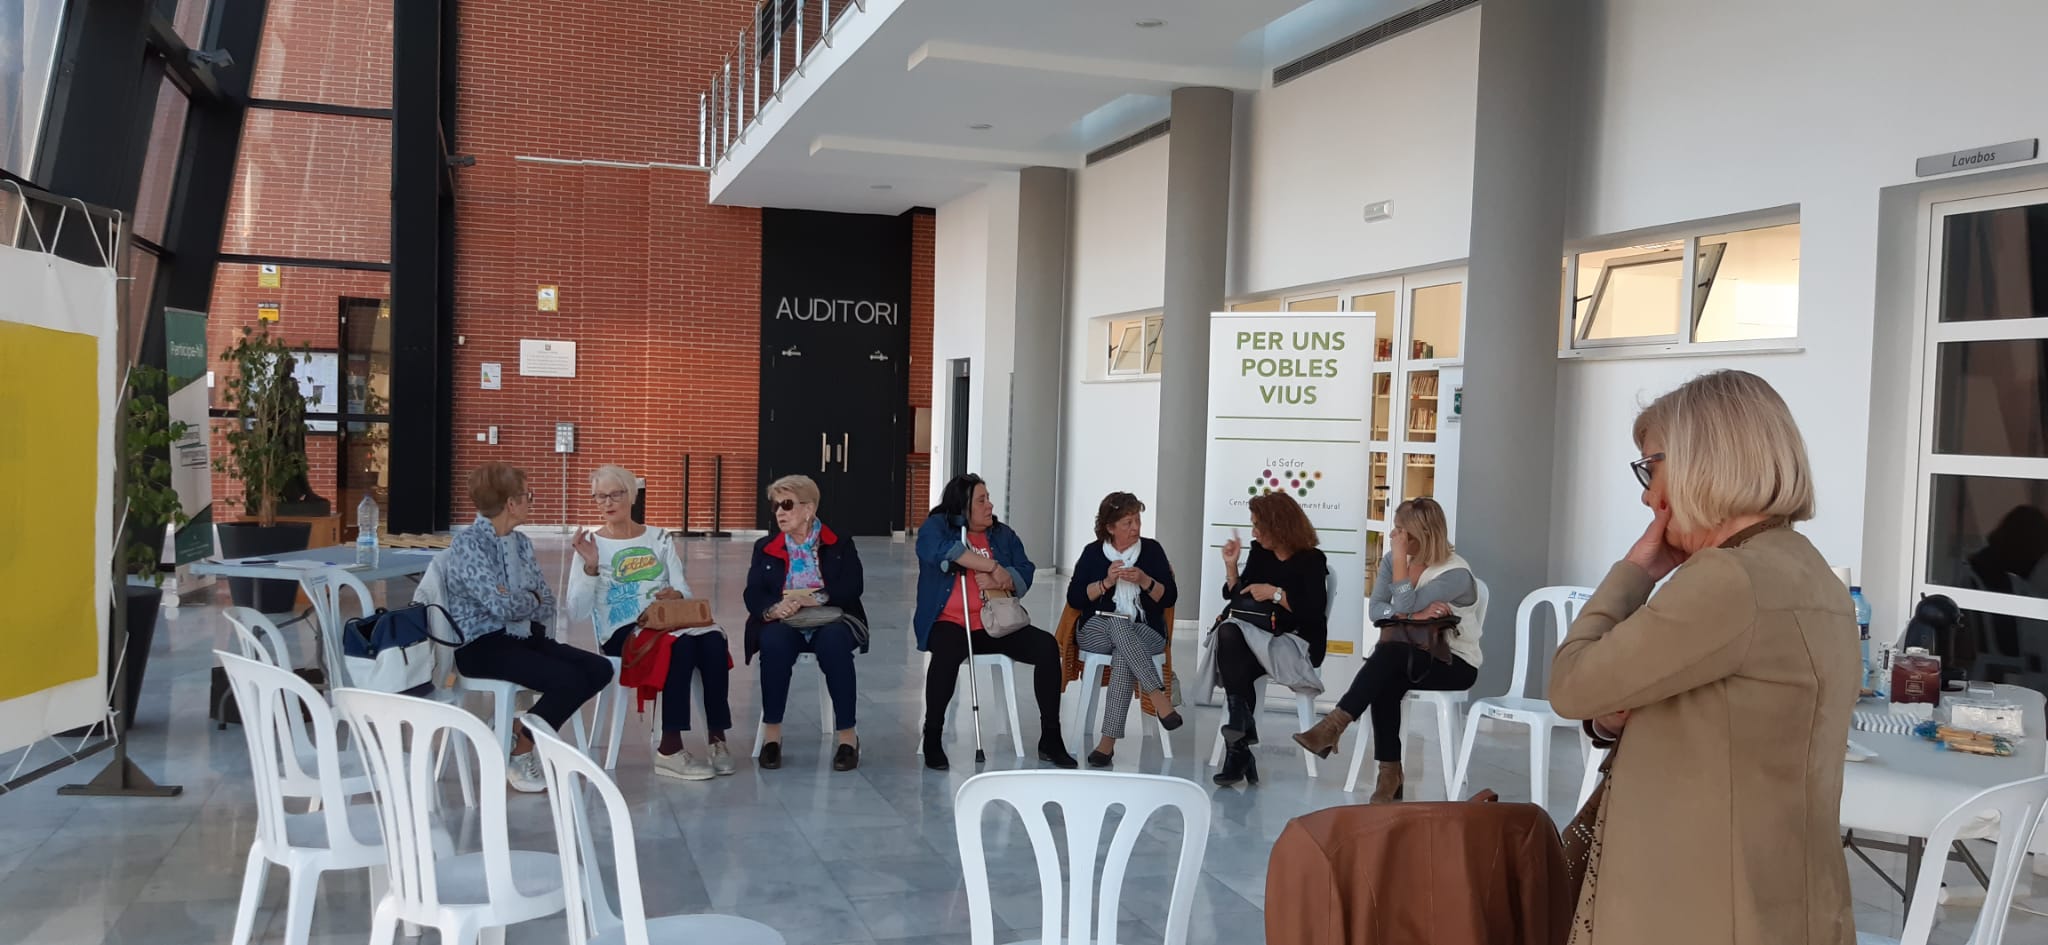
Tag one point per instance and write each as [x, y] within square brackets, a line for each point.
[1122, 587]
[1286, 571]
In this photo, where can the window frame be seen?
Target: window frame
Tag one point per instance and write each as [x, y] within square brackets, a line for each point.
[1105, 336]
[1572, 345]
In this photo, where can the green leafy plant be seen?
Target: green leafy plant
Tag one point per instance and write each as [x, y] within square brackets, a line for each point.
[265, 450]
[147, 435]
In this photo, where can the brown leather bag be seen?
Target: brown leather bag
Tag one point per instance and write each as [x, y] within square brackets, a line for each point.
[685, 613]
[1429, 636]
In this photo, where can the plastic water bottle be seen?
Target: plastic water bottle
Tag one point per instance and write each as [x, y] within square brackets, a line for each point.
[366, 535]
[1863, 633]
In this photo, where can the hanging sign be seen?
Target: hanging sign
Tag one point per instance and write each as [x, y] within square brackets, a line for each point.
[1288, 398]
[268, 276]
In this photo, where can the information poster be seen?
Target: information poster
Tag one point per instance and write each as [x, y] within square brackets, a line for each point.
[1289, 395]
[191, 466]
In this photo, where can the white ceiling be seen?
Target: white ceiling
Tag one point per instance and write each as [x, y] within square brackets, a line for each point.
[1055, 79]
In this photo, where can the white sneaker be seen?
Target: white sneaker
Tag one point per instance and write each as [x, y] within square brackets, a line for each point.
[721, 759]
[523, 773]
[682, 766]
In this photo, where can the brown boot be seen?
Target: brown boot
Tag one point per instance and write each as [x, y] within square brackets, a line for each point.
[1388, 788]
[1322, 739]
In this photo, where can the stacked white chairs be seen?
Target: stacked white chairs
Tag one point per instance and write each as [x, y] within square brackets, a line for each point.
[1090, 905]
[569, 773]
[470, 897]
[825, 716]
[1094, 688]
[1449, 707]
[257, 638]
[1514, 708]
[299, 774]
[276, 708]
[1304, 704]
[990, 667]
[2019, 807]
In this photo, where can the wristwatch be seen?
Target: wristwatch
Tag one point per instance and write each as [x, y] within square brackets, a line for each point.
[1279, 596]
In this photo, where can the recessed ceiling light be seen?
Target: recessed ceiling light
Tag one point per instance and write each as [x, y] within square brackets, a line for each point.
[1149, 24]
[881, 187]
[980, 126]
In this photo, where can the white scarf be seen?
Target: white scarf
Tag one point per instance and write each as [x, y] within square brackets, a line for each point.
[1126, 591]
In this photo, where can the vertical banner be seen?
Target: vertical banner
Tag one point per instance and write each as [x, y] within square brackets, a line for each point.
[1289, 397]
[191, 466]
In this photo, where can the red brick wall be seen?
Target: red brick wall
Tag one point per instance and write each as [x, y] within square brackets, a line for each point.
[660, 291]
[917, 485]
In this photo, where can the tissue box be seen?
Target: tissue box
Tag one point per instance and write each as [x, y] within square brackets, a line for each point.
[1994, 716]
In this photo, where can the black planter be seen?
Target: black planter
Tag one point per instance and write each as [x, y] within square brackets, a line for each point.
[248, 539]
[139, 610]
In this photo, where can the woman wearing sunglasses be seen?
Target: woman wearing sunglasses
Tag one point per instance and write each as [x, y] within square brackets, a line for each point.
[803, 596]
[501, 604]
[1729, 691]
[622, 568]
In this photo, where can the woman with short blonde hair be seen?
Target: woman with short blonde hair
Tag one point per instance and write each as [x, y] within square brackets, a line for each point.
[1421, 578]
[1727, 695]
[624, 567]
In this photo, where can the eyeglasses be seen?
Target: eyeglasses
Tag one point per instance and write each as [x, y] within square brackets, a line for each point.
[1642, 469]
[785, 505]
[606, 498]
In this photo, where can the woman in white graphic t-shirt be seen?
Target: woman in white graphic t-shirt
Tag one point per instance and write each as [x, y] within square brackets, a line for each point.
[625, 566]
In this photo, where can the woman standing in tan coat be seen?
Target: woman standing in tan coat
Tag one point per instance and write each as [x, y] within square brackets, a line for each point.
[1734, 686]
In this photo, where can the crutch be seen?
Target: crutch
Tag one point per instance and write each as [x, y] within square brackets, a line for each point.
[973, 676]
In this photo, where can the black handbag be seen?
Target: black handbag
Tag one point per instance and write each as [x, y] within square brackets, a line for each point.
[1263, 614]
[1432, 637]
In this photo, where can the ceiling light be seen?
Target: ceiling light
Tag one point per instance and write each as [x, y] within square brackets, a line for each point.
[980, 126]
[881, 187]
[1149, 24]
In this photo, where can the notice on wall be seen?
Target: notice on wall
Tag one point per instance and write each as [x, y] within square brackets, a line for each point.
[494, 375]
[268, 311]
[269, 276]
[548, 298]
[1289, 396]
[547, 358]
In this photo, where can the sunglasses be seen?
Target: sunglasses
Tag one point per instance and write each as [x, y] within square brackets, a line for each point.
[1642, 469]
[784, 505]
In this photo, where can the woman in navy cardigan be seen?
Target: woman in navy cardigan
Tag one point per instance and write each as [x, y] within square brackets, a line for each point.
[804, 565]
[962, 546]
[1122, 587]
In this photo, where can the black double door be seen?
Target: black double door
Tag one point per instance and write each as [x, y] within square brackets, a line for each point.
[835, 332]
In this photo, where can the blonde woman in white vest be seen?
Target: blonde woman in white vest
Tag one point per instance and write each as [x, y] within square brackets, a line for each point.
[1421, 578]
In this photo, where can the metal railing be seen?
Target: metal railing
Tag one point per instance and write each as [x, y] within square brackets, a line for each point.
[746, 84]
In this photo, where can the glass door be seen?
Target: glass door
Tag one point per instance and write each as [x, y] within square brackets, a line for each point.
[1982, 523]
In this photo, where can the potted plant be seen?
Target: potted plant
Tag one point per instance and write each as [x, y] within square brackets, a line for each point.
[147, 435]
[266, 451]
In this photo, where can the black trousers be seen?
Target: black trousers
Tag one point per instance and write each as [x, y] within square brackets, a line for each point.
[700, 654]
[565, 676]
[1389, 674]
[1237, 670]
[948, 646]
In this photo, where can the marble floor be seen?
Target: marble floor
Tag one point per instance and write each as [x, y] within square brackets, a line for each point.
[826, 858]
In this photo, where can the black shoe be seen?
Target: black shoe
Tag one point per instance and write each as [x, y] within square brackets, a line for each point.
[1052, 751]
[1100, 759]
[771, 756]
[1241, 722]
[847, 757]
[1238, 765]
[934, 751]
[1170, 721]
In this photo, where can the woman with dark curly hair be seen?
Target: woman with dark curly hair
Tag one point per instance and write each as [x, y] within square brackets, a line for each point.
[1122, 587]
[1275, 624]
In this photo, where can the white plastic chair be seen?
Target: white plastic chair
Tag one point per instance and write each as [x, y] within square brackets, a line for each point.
[334, 836]
[298, 776]
[2019, 806]
[328, 589]
[1084, 800]
[587, 902]
[1093, 665]
[1514, 708]
[987, 665]
[460, 895]
[825, 716]
[1450, 706]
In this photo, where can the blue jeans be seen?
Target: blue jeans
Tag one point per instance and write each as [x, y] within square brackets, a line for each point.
[833, 643]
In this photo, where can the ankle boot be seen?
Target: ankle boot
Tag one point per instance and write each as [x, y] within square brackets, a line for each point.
[1388, 788]
[1323, 738]
[1238, 765]
[935, 748]
[1241, 723]
[1052, 749]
